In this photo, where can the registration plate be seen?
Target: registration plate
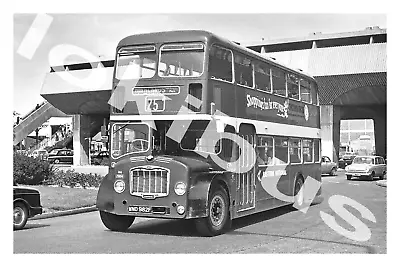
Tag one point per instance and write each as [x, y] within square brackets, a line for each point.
[356, 174]
[142, 209]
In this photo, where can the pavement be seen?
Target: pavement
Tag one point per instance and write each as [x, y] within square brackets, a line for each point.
[63, 213]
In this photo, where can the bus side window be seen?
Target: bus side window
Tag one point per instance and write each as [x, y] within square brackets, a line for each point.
[295, 150]
[264, 151]
[220, 64]
[243, 71]
[307, 150]
[278, 82]
[262, 77]
[316, 150]
[292, 86]
[305, 91]
[281, 150]
[314, 94]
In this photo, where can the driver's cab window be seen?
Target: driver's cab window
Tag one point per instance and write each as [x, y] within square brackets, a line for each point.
[129, 138]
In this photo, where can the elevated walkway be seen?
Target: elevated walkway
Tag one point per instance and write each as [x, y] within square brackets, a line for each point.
[34, 119]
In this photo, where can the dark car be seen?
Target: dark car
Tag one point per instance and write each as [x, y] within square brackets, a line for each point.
[346, 160]
[101, 157]
[328, 166]
[57, 156]
[26, 205]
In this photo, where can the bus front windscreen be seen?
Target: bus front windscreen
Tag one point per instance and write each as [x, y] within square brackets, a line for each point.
[129, 138]
[136, 62]
[181, 60]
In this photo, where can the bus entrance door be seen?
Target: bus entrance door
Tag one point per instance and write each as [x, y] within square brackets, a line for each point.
[245, 193]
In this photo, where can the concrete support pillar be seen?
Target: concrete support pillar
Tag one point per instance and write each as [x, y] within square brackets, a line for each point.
[81, 139]
[330, 131]
[380, 133]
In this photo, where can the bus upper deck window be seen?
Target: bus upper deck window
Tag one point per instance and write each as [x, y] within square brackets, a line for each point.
[220, 64]
[136, 62]
[181, 60]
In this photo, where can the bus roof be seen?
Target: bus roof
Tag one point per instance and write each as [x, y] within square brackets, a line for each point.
[199, 35]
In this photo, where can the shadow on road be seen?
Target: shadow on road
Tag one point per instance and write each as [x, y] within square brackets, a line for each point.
[187, 228]
[33, 226]
[165, 227]
[368, 249]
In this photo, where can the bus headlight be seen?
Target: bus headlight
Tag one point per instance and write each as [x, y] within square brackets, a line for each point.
[119, 186]
[180, 188]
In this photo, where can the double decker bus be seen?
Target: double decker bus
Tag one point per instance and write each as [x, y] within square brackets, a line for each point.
[183, 94]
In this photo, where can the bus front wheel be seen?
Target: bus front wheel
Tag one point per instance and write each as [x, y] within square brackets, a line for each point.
[218, 219]
[116, 222]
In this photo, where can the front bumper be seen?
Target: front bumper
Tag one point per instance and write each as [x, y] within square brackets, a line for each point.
[358, 174]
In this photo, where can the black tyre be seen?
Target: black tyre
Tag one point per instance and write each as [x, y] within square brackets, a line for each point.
[348, 177]
[219, 219]
[371, 177]
[20, 215]
[299, 192]
[116, 222]
[382, 176]
[333, 171]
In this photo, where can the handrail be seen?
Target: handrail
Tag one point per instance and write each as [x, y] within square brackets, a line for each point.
[32, 111]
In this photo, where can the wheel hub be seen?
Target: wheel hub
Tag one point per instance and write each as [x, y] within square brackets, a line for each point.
[299, 193]
[18, 216]
[217, 210]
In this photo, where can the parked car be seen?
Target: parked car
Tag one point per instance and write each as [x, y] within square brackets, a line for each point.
[41, 154]
[98, 157]
[346, 160]
[57, 156]
[366, 166]
[328, 166]
[26, 205]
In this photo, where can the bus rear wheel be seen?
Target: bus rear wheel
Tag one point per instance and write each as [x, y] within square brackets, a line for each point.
[299, 192]
[116, 222]
[218, 219]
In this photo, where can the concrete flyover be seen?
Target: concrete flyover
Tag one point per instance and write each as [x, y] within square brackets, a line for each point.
[81, 90]
[351, 71]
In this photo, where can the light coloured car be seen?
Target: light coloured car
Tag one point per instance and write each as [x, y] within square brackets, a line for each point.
[328, 166]
[367, 167]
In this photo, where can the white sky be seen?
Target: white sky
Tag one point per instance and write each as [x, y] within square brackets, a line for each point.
[100, 33]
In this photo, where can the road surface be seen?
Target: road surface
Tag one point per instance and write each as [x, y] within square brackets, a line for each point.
[282, 230]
